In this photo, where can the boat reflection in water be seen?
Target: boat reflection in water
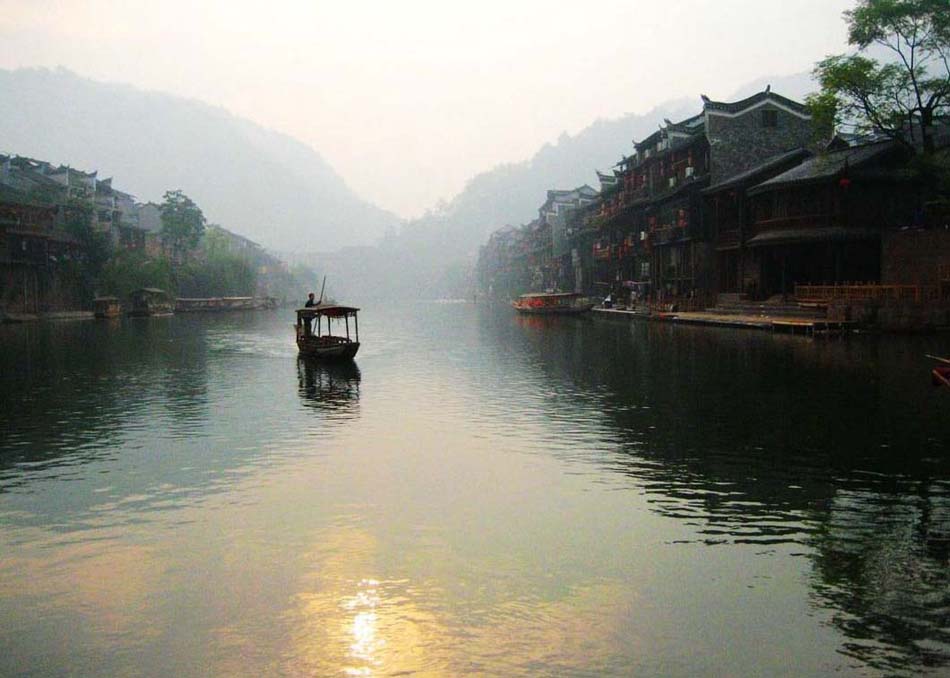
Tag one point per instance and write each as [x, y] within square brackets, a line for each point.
[330, 387]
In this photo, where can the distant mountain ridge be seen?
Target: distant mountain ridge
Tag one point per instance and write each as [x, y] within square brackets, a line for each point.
[262, 184]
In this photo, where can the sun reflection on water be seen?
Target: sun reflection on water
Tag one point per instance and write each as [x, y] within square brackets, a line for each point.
[366, 639]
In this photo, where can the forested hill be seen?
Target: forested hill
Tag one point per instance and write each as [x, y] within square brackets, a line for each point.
[259, 183]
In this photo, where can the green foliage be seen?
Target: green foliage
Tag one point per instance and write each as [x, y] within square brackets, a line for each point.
[183, 223]
[131, 269]
[898, 96]
[825, 118]
[95, 246]
[219, 275]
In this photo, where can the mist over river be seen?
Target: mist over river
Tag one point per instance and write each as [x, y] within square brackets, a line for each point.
[479, 494]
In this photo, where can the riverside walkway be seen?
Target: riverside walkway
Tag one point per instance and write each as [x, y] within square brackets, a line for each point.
[754, 321]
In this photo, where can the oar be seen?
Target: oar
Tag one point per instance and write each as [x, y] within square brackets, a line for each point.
[941, 378]
[938, 358]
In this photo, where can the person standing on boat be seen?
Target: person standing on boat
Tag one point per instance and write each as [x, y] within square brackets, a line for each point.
[308, 321]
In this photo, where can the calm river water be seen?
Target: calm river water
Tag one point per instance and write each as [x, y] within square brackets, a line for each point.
[481, 494]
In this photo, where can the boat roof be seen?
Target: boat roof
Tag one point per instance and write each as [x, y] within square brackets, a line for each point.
[331, 310]
[533, 295]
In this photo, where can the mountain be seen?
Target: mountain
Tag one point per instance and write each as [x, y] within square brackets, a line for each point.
[259, 183]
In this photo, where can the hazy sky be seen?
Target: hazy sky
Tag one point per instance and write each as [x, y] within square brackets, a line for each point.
[408, 99]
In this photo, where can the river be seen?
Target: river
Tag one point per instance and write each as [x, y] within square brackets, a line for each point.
[480, 494]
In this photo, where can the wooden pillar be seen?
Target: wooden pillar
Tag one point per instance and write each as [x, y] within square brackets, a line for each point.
[740, 253]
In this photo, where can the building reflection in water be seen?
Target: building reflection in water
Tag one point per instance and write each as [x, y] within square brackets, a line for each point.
[333, 388]
[707, 423]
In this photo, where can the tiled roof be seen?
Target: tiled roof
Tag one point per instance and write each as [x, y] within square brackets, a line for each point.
[748, 102]
[772, 163]
[827, 165]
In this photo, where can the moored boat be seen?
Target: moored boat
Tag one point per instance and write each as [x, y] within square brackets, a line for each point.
[940, 375]
[107, 307]
[195, 304]
[552, 303]
[313, 342]
[151, 301]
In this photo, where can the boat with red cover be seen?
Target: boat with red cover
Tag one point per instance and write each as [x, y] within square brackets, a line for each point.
[940, 375]
[552, 303]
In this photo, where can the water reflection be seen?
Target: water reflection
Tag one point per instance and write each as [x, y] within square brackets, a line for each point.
[333, 388]
[833, 451]
[75, 389]
[499, 496]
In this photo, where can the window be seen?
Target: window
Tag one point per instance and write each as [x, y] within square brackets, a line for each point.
[769, 118]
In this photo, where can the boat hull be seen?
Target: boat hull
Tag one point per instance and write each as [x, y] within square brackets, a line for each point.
[312, 347]
[553, 310]
[940, 376]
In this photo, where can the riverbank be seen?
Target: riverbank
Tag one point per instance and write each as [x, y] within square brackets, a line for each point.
[14, 318]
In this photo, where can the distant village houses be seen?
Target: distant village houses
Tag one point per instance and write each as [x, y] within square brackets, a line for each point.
[736, 203]
[40, 254]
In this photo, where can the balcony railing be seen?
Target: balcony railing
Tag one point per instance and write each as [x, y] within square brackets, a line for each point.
[771, 224]
[665, 234]
[727, 239]
[866, 292]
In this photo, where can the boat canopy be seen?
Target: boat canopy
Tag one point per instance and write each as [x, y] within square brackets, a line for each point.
[327, 311]
[550, 295]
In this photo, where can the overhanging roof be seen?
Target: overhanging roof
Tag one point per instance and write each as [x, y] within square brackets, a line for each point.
[790, 236]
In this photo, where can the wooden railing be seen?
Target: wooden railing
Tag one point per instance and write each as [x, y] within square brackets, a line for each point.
[728, 238]
[665, 234]
[867, 292]
[682, 304]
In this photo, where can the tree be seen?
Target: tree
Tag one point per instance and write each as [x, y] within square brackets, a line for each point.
[825, 115]
[900, 97]
[95, 246]
[183, 223]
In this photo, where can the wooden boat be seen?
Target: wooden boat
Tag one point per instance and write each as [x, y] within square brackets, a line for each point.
[151, 301]
[940, 375]
[107, 307]
[313, 342]
[194, 304]
[552, 303]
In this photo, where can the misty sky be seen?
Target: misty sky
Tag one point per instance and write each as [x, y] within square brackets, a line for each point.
[408, 99]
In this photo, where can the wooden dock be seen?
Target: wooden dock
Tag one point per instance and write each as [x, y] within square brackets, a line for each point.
[812, 327]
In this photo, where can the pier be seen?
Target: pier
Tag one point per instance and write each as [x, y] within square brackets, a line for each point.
[787, 325]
